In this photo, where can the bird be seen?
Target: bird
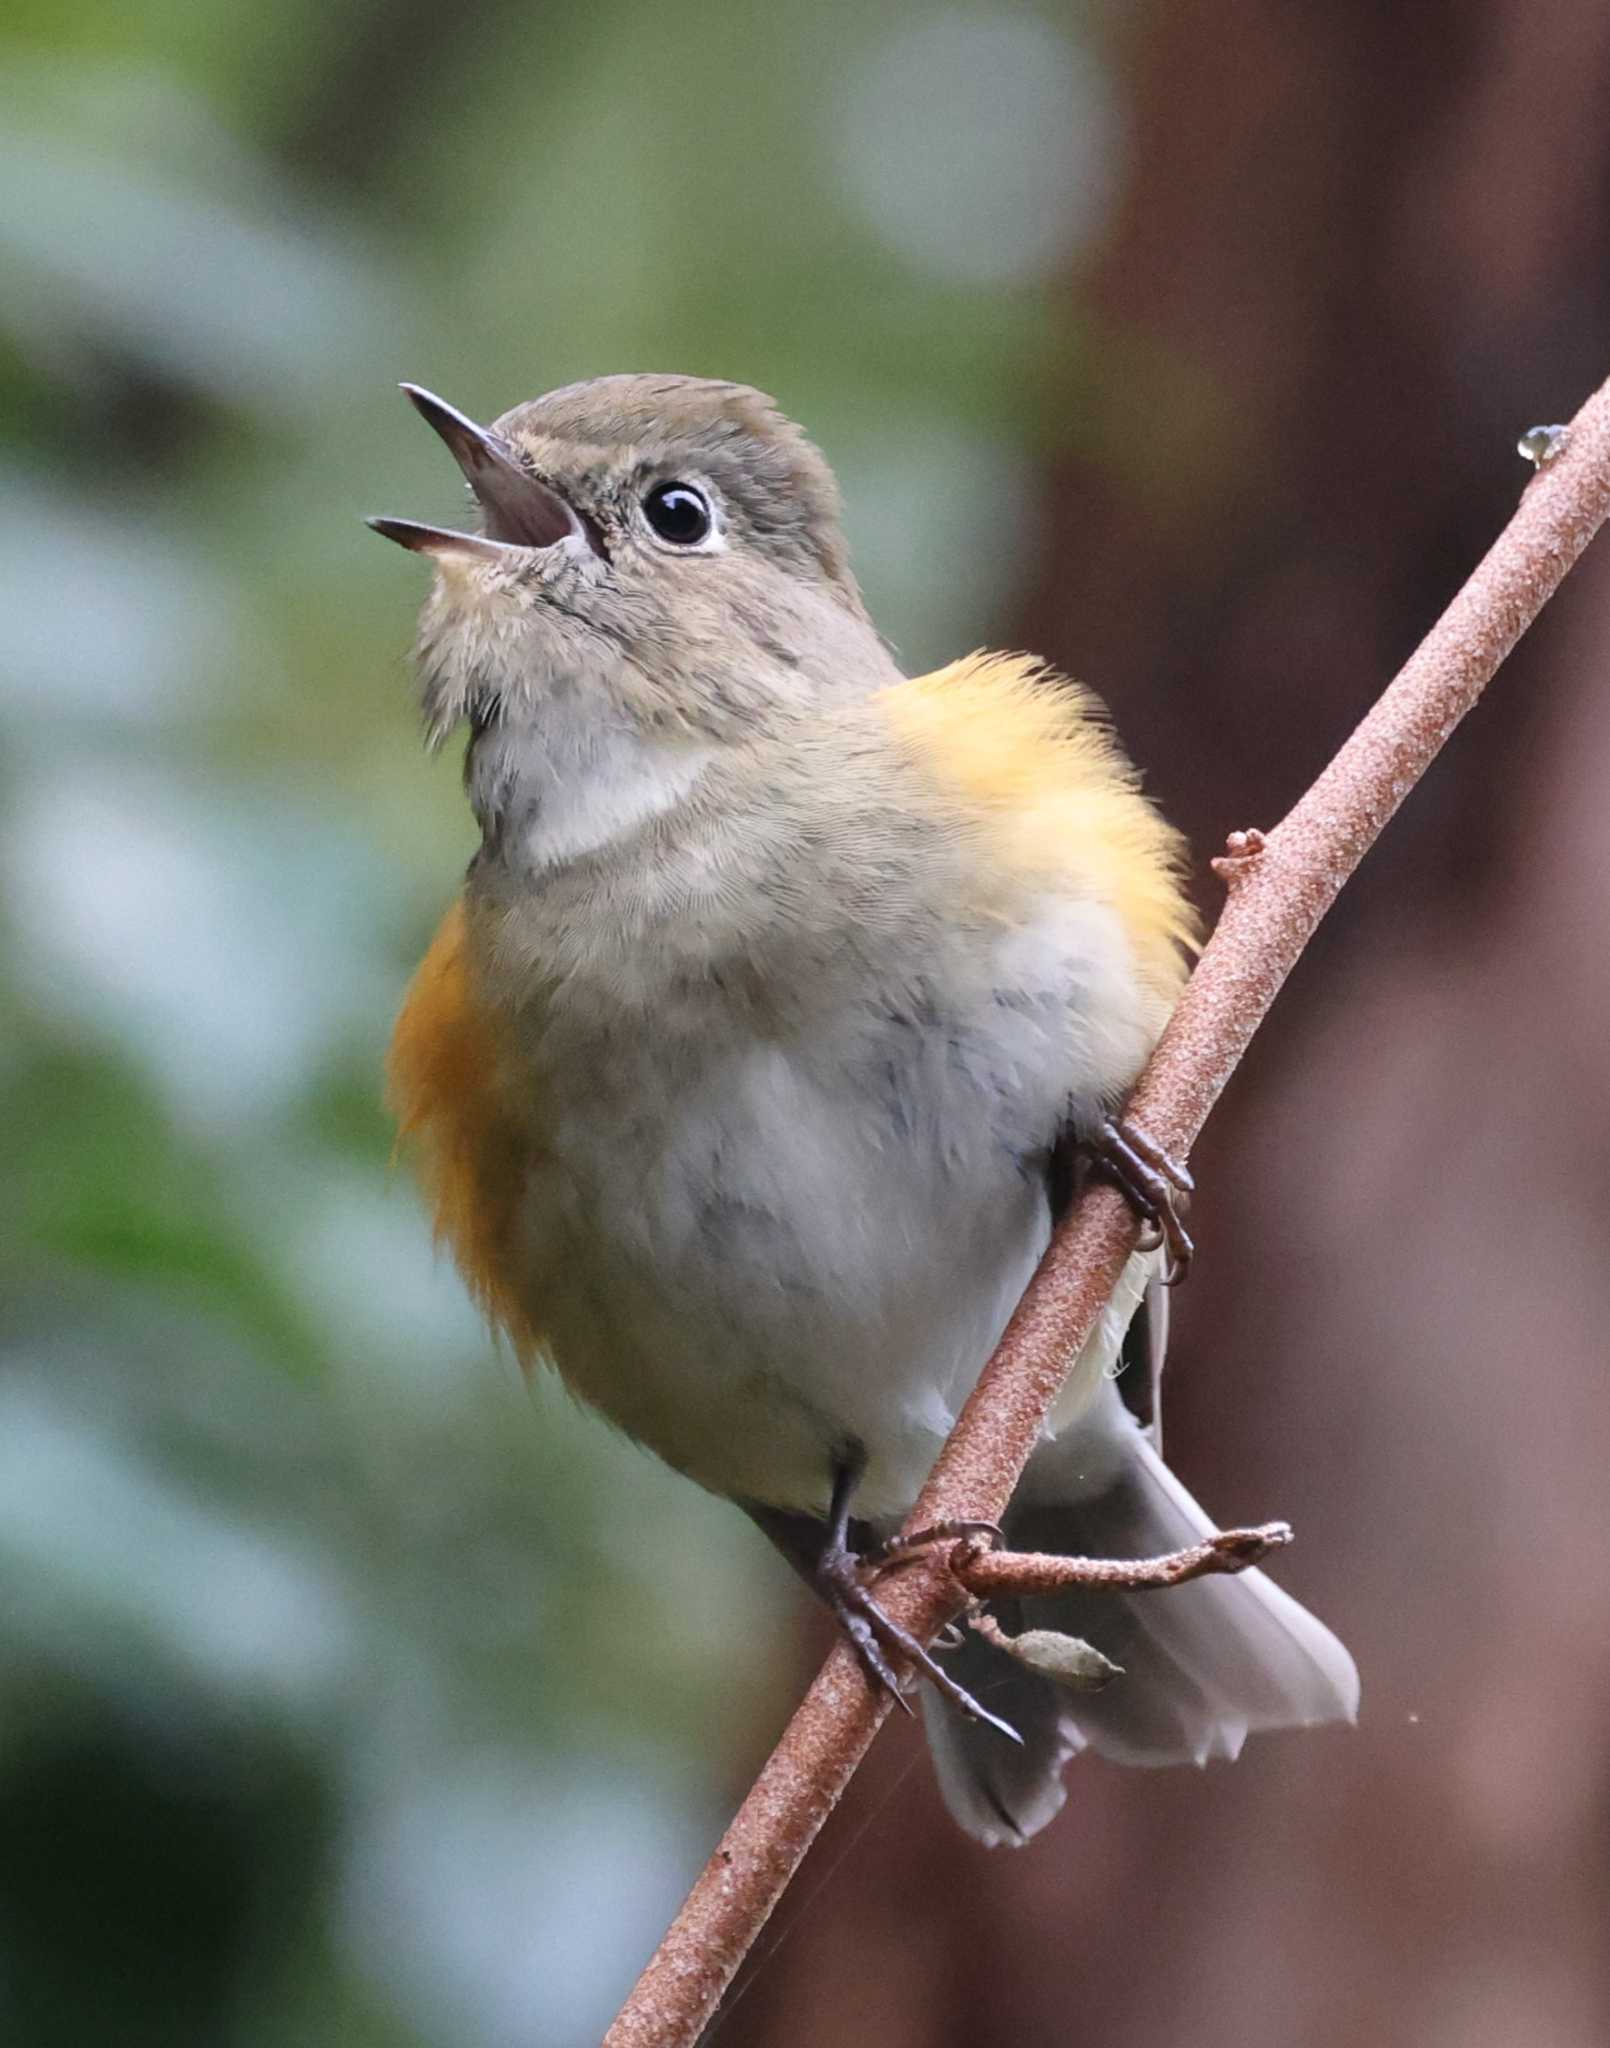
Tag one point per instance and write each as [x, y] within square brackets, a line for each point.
[785, 1001]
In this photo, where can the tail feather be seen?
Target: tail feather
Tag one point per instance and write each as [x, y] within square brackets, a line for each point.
[1204, 1664]
[999, 1793]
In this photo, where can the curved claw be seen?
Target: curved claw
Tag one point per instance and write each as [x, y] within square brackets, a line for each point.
[899, 1550]
[871, 1631]
[1155, 1186]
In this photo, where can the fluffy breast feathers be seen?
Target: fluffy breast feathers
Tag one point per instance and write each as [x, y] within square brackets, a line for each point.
[1022, 761]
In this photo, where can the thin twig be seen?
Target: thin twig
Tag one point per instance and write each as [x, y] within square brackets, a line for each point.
[1280, 885]
[1028, 1574]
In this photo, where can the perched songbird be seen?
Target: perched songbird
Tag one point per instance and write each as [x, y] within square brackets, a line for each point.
[784, 997]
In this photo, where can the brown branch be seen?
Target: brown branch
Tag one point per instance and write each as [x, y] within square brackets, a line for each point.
[1280, 885]
[1027, 1574]
[983, 1572]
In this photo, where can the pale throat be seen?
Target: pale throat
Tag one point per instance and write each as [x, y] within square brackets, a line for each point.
[558, 787]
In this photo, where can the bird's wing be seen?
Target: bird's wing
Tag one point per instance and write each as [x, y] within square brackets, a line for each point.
[1033, 765]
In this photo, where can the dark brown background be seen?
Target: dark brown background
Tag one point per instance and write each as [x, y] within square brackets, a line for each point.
[1379, 235]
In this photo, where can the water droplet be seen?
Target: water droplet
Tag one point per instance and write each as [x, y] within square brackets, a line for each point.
[1541, 444]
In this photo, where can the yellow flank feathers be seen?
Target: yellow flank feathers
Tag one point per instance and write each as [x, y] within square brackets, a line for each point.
[443, 1087]
[1030, 756]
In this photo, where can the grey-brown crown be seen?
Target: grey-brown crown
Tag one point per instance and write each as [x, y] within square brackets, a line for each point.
[777, 482]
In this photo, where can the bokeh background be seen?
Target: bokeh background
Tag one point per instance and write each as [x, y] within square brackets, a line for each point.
[352, 1692]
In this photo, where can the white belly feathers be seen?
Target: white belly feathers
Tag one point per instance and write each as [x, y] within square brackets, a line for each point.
[758, 1258]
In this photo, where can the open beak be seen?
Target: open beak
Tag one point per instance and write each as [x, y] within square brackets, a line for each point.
[519, 509]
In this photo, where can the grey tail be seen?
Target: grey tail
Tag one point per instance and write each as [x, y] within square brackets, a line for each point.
[1203, 1665]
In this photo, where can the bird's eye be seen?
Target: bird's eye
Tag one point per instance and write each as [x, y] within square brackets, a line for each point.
[679, 514]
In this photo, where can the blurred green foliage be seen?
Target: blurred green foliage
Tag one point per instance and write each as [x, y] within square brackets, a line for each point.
[348, 1690]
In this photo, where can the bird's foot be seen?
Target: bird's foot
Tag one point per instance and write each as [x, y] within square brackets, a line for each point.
[875, 1634]
[1155, 1186]
[899, 1550]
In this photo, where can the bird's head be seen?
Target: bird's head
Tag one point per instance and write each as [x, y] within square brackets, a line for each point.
[666, 549]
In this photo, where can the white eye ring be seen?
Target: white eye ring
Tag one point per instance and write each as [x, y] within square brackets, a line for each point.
[681, 516]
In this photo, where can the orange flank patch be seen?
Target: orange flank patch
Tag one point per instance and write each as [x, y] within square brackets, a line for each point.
[1031, 759]
[443, 1086]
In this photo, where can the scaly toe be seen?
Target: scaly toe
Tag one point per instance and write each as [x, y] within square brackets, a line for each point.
[899, 1550]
